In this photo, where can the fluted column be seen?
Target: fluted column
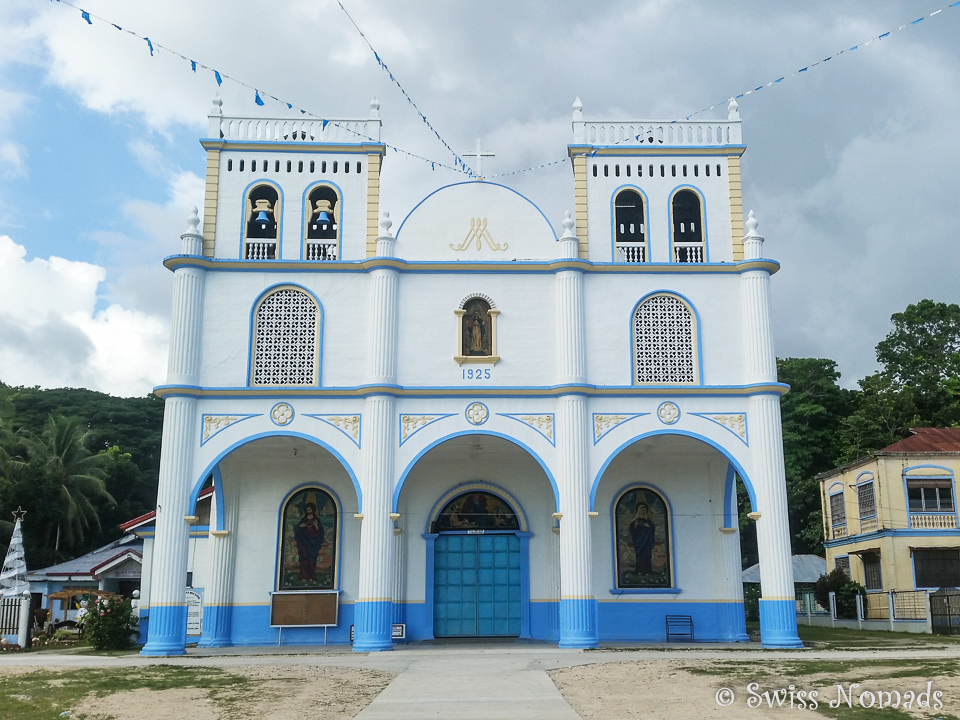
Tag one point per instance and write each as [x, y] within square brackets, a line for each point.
[373, 611]
[778, 618]
[726, 548]
[578, 607]
[168, 610]
[218, 603]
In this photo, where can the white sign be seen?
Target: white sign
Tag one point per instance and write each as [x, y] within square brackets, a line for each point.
[194, 612]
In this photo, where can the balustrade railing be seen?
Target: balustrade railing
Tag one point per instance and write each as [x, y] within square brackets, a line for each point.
[614, 132]
[321, 251]
[260, 250]
[688, 252]
[868, 525]
[631, 252]
[838, 532]
[294, 130]
[933, 521]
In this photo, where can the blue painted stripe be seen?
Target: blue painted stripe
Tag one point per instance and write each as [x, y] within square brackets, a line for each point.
[778, 624]
[168, 631]
[373, 629]
[578, 623]
[646, 621]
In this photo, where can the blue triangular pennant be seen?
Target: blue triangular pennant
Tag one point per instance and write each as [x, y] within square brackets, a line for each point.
[217, 76]
[86, 16]
[257, 99]
[149, 45]
[193, 65]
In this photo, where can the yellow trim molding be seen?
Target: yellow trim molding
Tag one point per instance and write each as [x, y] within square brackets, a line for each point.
[736, 206]
[373, 202]
[580, 203]
[210, 202]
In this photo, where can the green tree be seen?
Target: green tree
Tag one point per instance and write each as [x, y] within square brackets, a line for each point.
[922, 352]
[61, 454]
[812, 414]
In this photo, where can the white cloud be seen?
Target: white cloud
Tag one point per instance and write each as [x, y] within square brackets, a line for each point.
[52, 335]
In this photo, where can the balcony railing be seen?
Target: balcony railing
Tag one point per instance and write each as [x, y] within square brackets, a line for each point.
[868, 525]
[631, 252]
[260, 250]
[933, 521]
[688, 252]
[321, 251]
[838, 532]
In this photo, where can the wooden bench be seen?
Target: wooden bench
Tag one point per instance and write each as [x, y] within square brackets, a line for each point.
[680, 626]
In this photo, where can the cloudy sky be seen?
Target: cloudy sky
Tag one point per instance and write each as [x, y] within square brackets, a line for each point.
[853, 167]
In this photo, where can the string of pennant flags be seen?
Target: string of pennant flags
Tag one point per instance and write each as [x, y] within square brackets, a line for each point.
[772, 83]
[259, 95]
[459, 164]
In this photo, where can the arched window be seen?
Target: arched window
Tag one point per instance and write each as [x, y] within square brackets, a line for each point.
[476, 510]
[687, 227]
[642, 540]
[630, 231]
[308, 541]
[261, 223]
[665, 349]
[286, 339]
[322, 213]
[477, 330]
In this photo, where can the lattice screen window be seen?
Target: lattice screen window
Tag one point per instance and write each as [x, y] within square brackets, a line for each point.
[866, 500]
[843, 563]
[285, 347]
[664, 342]
[838, 511]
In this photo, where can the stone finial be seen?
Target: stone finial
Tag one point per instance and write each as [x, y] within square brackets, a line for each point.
[732, 110]
[374, 108]
[751, 225]
[568, 225]
[193, 222]
[752, 240]
[385, 224]
[577, 110]
[217, 108]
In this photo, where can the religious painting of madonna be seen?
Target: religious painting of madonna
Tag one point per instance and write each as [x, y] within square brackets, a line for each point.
[476, 511]
[308, 553]
[643, 540]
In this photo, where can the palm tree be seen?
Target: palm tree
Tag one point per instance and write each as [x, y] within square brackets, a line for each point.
[61, 452]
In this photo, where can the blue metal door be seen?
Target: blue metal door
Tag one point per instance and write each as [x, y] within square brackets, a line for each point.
[476, 586]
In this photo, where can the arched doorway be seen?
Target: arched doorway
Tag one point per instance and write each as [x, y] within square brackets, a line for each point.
[477, 572]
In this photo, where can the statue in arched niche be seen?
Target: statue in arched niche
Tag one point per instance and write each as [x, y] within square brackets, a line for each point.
[476, 330]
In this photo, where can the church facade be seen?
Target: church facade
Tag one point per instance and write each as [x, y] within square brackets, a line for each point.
[468, 424]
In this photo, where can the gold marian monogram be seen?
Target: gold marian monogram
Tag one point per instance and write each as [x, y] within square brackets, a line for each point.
[478, 234]
[544, 423]
[602, 423]
[350, 424]
[410, 423]
[212, 424]
[736, 423]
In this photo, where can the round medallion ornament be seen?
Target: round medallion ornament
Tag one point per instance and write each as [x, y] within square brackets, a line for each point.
[668, 413]
[281, 414]
[476, 413]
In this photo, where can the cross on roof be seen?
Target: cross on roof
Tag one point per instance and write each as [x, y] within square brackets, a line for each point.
[479, 154]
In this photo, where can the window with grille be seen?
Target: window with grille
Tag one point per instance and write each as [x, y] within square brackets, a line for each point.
[843, 563]
[871, 571]
[930, 494]
[866, 501]
[285, 339]
[664, 341]
[838, 511]
[936, 568]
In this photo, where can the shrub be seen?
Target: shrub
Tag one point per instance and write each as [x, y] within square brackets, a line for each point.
[109, 625]
[845, 589]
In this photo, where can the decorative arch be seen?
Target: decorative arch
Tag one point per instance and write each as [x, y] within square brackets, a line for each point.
[407, 470]
[838, 507]
[642, 538]
[285, 338]
[322, 213]
[213, 466]
[308, 540]
[476, 330]
[448, 500]
[262, 218]
[688, 234]
[629, 225]
[666, 347]
[734, 462]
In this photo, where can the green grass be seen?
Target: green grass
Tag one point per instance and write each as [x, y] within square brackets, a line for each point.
[42, 694]
[825, 638]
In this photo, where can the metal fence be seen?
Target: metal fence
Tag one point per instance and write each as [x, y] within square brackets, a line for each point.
[876, 606]
[808, 600]
[945, 611]
[909, 605]
[9, 616]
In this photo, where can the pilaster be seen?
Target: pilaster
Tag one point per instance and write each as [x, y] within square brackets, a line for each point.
[218, 606]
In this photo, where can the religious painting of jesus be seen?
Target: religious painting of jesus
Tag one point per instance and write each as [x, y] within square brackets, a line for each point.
[308, 548]
[476, 328]
[642, 540]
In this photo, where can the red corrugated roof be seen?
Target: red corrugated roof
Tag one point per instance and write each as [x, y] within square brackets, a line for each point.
[153, 513]
[927, 440]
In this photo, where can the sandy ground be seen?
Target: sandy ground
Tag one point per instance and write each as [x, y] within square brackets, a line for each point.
[665, 690]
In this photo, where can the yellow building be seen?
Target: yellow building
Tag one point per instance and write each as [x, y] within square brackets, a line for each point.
[890, 519]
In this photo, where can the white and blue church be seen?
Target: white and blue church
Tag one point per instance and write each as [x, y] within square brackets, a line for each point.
[466, 424]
